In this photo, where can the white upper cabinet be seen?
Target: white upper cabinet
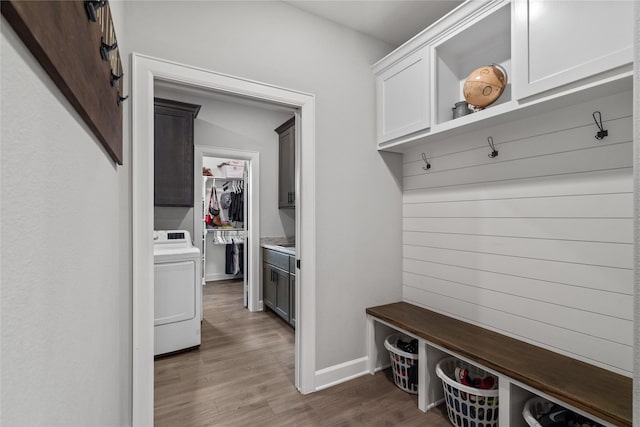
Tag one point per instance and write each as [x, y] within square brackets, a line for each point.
[557, 43]
[555, 52]
[403, 97]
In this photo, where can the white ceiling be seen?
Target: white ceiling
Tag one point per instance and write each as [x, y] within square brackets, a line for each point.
[392, 21]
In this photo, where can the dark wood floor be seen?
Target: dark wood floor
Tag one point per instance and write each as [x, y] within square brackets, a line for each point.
[242, 375]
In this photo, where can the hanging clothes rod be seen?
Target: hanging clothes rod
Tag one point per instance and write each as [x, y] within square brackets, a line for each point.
[230, 237]
[223, 179]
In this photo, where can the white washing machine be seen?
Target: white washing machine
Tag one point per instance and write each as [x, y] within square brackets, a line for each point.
[177, 291]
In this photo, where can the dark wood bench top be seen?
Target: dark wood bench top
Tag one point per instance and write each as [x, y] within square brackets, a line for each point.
[597, 391]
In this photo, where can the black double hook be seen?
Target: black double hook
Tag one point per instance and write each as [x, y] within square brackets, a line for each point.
[115, 78]
[494, 152]
[427, 166]
[602, 132]
[92, 6]
[120, 99]
[106, 48]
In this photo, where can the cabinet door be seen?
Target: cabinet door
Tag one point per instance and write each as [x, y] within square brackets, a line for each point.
[560, 42]
[287, 168]
[173, 153]
[292, 300]
[282, 293]
[269, 290]
[403, 97]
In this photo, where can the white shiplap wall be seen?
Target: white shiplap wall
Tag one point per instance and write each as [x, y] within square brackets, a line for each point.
[536, 243]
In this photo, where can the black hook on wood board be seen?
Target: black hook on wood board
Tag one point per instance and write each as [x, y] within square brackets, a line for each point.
[92, 6]
[115, 78]
[106, 48]
[121, 98]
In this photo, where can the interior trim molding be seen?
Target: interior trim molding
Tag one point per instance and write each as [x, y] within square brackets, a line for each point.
[145, 70]
[342, 372]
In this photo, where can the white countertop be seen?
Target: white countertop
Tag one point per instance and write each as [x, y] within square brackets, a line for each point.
[280, 244]
[287, 250]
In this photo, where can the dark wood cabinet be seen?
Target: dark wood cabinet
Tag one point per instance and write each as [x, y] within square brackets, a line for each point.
[278, 284]
[282, 293]
[287, 165]
[269, 287]
[292, 295]
[173, 152]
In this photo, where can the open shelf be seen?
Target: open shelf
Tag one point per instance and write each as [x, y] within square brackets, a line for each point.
[486, 42]
[511, 110]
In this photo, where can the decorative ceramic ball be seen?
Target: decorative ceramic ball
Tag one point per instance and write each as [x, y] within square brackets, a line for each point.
[485, 85]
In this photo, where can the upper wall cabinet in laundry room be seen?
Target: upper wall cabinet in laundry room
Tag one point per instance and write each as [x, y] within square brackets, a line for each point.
[412, 77]
[555, 53]
[404, 79]
[561, 45]
[403, 102]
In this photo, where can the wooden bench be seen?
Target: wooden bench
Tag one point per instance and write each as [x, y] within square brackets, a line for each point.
[523, 369]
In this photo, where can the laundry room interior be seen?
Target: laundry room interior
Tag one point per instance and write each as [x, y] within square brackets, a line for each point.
[231, 214]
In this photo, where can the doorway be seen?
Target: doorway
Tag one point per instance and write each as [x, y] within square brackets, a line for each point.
[146, 70]
[252, 159]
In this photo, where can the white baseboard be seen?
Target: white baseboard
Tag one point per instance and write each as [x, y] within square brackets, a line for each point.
[213, 277]
[342, 372]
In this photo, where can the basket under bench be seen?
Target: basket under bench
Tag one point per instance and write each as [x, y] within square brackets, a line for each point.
[523, 369]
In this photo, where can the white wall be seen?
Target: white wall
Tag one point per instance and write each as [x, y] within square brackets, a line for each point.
[358, 198]
[636, 234]
[66, 323]
[536, 243]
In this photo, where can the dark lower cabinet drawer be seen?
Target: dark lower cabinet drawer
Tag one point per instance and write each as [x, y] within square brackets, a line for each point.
[278, 284]
[275, 258]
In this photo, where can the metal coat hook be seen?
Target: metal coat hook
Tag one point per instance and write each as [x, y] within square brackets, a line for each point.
[494, 152]
[120, 99]
[115, 78]
[427, 165]
[92, 7]
[597, 117]
[106, 48]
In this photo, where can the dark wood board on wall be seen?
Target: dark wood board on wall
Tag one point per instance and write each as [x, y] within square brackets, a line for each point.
[67, 44]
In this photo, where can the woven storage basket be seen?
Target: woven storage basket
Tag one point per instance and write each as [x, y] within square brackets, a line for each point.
[467, 406]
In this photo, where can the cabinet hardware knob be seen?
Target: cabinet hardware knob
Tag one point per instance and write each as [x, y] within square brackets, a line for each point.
[91, 6]
[106, 48]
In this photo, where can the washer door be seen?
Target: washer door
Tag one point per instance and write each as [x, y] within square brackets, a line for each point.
[175, 292]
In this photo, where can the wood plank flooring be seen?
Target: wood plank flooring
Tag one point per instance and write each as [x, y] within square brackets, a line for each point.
[242, 375]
